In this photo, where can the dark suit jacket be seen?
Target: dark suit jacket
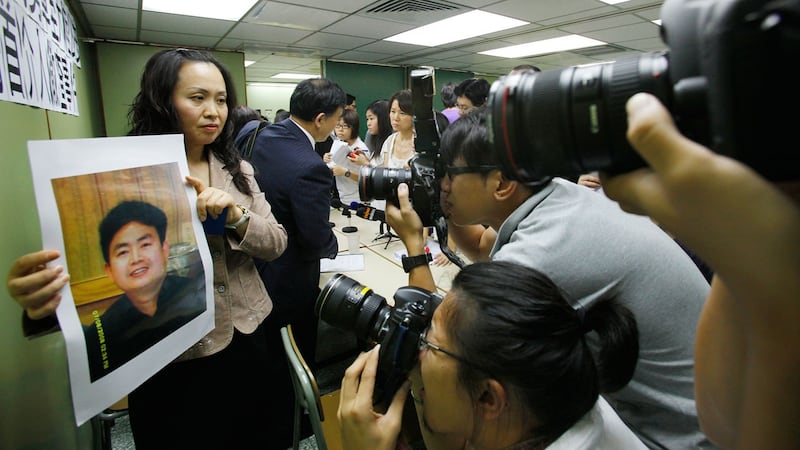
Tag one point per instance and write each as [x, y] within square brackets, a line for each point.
[297, 184]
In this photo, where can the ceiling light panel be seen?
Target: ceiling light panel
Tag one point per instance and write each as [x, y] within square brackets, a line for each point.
[559, 44]
[457, 28]
[213, 9]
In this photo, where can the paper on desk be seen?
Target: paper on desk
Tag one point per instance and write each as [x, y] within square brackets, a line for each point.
[342, 263]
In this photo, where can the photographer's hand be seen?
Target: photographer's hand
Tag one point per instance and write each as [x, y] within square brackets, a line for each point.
[749, 232]
[406, 223]
[362, 428]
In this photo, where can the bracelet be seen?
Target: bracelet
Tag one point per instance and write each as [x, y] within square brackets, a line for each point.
[245, 217]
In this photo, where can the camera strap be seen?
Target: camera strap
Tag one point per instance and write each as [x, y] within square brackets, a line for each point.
[247, 151]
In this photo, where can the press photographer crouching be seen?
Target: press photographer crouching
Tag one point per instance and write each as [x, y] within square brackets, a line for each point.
[590, 249]
[503, 363]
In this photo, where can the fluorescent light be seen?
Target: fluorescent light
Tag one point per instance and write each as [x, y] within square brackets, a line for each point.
[560, 44]
[613, 2]
[248, 63]
[456, 28]
[212, 9]
[295, 76]
[657, 22]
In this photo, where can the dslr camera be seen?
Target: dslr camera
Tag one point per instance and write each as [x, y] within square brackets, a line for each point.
[381, 182]
[348, 305]
[425, 168]
[724, 78]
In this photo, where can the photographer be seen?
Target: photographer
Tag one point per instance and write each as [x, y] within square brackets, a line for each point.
[748, 230]
[590, 249]
[505, 363]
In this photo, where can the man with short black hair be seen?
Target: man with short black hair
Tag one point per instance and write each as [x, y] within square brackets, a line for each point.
[153, 304]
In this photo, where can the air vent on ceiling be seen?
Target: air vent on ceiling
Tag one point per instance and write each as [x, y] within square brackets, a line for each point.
[402, 6]
[599, 50]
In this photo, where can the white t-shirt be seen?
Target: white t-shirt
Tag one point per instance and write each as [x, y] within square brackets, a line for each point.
[600, 428]
[347, 187]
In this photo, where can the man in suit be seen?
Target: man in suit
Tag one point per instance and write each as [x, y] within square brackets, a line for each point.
[297, 184]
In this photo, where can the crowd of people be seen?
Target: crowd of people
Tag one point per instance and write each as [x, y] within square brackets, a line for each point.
[581, 322]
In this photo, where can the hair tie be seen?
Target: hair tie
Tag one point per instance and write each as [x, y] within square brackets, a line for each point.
[584, 325]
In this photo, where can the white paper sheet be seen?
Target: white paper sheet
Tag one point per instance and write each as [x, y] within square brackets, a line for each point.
[342, 263]
[99, 173]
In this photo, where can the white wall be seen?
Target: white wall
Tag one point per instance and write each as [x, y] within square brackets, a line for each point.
[269, 97]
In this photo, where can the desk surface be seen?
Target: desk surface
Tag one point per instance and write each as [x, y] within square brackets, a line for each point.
[383, 271]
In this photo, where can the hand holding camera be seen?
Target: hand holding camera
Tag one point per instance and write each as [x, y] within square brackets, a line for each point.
[348, 305]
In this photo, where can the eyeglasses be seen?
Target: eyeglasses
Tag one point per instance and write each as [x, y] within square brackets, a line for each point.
[452, 171]
[342, 127]
[425, 343]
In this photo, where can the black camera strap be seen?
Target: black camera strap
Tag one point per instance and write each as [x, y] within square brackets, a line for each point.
[247, 151]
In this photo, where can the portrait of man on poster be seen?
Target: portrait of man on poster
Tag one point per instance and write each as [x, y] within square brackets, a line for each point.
[154, 303]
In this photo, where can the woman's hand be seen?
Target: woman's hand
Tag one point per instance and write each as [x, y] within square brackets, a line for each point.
[34, 285]
[441, 260]
[590, 180]
[362, 428]
[326, 157]
[212, 201]
[361, 158]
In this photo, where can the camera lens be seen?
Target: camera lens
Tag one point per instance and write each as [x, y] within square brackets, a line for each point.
[348, 305]
[381, 183]
[571, 121]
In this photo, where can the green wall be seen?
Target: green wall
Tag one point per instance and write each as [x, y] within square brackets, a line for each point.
[368, 83]
[36, 410]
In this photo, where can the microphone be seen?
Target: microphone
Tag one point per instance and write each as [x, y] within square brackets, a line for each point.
[368, 212]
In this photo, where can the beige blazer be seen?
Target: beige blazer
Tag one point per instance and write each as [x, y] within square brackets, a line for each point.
[240, 298]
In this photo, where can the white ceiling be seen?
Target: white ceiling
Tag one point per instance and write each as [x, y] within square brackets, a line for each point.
[293, 36]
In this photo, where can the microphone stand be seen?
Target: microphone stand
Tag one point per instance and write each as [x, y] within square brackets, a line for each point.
[385, 232]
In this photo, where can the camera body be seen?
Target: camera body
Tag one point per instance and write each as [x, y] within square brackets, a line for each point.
[721, 79]
[346, 304]
[381, 182]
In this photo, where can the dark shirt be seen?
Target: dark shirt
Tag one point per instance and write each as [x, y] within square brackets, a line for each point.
[122, 332]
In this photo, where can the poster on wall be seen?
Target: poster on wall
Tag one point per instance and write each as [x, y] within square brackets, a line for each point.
[38, 54]
[140, 290]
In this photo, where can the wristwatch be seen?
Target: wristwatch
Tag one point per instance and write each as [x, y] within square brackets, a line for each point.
[409, 262]
[347, 173]
[245, 217]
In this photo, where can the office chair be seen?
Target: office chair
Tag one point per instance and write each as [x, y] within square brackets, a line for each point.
[104, 421]
[306, 391]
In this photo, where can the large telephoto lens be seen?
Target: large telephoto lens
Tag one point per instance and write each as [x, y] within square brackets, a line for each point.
[348, 305]
[380, 183]
[571, 121]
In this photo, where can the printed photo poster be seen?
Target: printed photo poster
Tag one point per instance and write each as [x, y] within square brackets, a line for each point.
[140, 290]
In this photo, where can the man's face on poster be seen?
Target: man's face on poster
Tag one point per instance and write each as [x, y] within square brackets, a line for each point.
[137, 260]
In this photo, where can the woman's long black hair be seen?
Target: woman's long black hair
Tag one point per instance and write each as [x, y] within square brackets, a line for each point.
[375, 141]
[152, 111]
[513, 324]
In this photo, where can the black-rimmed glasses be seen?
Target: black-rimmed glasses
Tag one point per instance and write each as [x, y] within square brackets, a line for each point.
[452, 171]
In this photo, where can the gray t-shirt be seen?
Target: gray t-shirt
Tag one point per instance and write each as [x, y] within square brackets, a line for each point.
[592, 250]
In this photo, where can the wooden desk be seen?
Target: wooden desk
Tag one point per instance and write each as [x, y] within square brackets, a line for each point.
[381, 278]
